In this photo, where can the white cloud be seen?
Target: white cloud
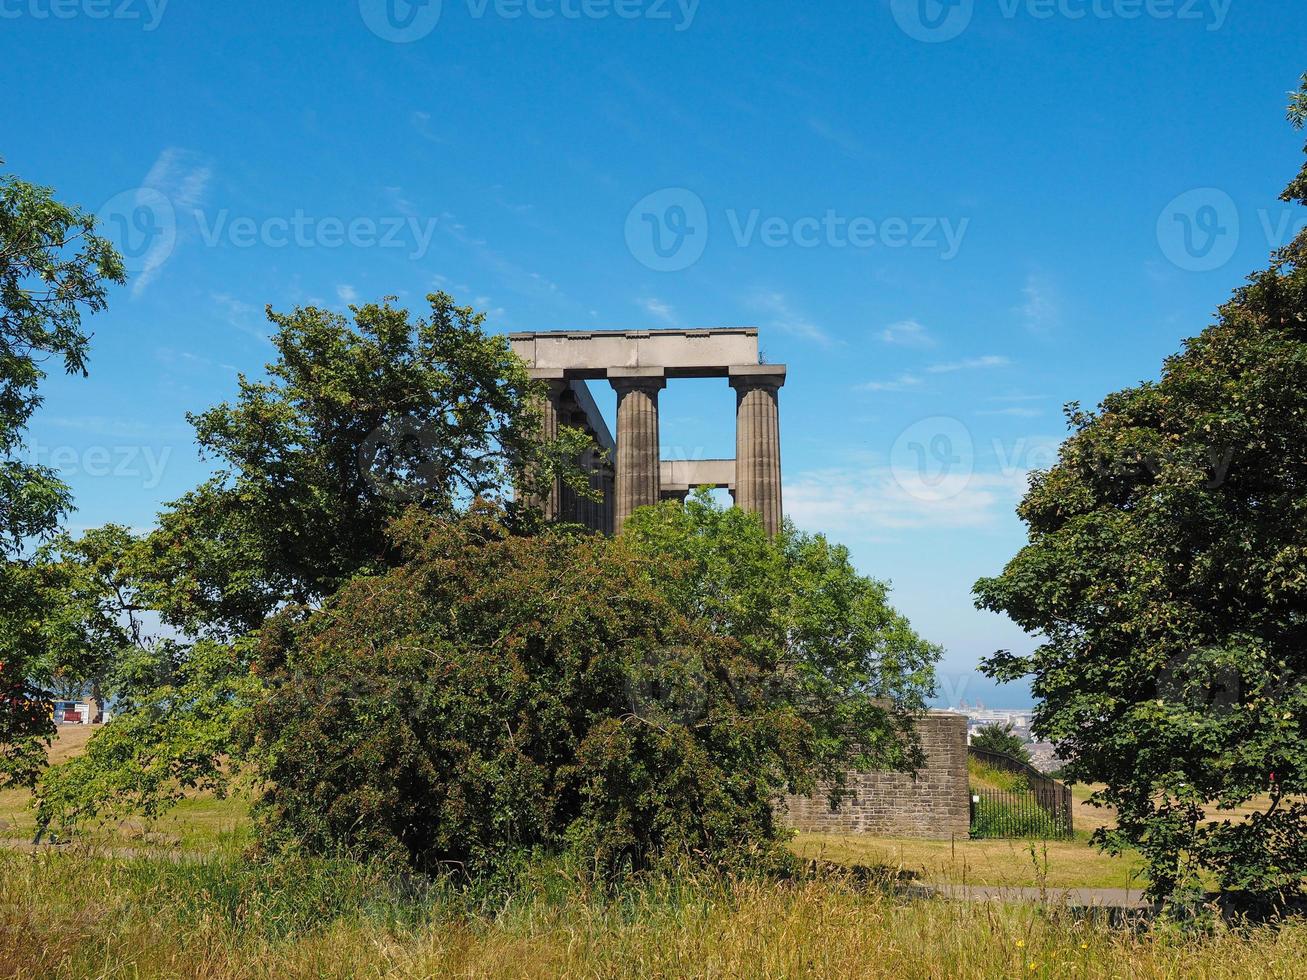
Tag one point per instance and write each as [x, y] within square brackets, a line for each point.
[486, 305]
[347, 294]
[658, 309]
[901, 383]
[1041, 309]
[421, 122]
[117, 427]
[907, 333]
[1018, 397]
[182, 177]
[970, 364]
[399, 201]
[853, 502]
[841, 138]
[242, 316]
[786, 319]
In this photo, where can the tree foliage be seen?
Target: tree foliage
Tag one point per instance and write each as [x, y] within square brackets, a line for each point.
[1166, 572]
[502, 694]
[53, 267]
[833, 646]
[1000, 738]
[356, 423]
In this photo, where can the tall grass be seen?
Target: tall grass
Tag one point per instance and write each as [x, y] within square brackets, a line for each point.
[64, 916]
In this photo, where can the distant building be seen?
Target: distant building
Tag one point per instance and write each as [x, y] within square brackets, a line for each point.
[74, 713]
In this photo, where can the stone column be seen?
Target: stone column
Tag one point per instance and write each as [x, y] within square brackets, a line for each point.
[551, 419]
[758, 441]
[639, 463]
[609, 481]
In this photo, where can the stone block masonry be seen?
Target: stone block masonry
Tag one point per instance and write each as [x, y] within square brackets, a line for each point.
[935, 803]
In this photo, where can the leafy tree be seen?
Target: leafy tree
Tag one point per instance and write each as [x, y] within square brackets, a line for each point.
[52, 268]
[834, 649]
[356, 423]
[999, 738]
[499, 694]
[1167, 574]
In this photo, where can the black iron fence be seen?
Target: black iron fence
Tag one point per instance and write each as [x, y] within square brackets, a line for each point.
[1036, 806]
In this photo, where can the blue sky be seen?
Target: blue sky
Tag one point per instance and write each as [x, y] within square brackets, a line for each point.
[947, 218]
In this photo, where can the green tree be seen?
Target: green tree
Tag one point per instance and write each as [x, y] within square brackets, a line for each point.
[1166, 573]
[999, 738]
[498, 695]
[835, 651]
[53, 267]
[356, 423]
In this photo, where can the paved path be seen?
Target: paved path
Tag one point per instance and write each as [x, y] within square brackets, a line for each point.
[1108, 898]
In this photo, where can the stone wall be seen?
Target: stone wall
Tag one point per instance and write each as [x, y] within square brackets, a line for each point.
[935, 803]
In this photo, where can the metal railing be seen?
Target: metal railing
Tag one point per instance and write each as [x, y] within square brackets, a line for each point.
[1042, 807]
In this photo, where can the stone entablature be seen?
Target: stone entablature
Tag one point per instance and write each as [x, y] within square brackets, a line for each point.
[638, 364]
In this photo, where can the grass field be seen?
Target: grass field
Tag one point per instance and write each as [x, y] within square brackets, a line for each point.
[1010, 863]
[62, 916]
[127, 907]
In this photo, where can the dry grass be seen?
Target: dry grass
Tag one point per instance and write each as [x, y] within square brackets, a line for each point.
[104, 919]
[79, 915]
[15, 814]
[1009, 863]
[200, 821]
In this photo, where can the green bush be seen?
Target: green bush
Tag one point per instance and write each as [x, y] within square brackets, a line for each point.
[497, 698]
[501, 695]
